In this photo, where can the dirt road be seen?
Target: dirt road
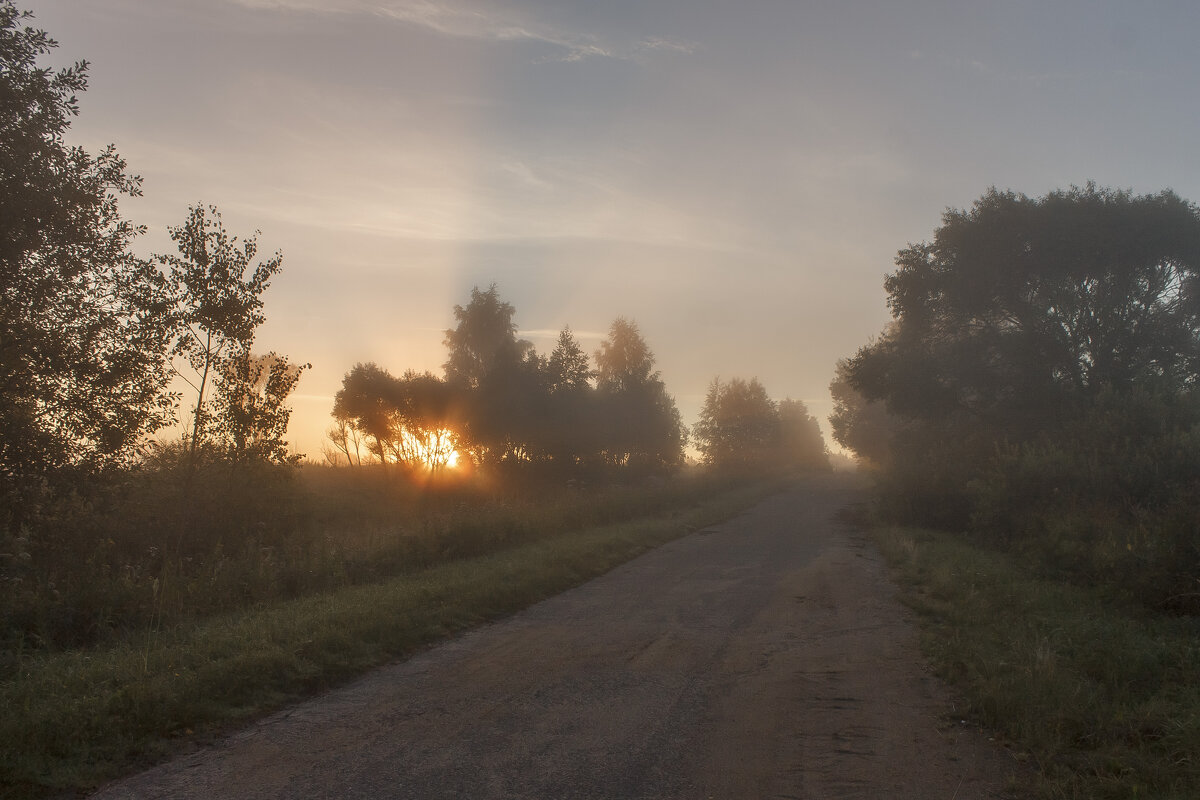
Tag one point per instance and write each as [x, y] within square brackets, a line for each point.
[762, 658]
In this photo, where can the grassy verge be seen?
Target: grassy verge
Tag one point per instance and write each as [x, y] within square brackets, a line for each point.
[72, 720]
[1103, 696]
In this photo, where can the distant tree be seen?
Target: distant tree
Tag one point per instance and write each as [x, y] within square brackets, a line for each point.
[484, 339]
[412, 421]
[250, 415]
[363, 405]
[429, 413]
[83, 324]
[219, 304]
[568, 432]
[346, 442]
[800, 439]
[568, 367]
[739, 426]
[624, 360]
[639, 422]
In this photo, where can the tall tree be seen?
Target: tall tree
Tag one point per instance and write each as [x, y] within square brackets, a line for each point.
[485, 338]
[800, 439]
[83, 324]
[639, 421]
[568, 368]
[1012, 323]
[1021, 309]
[219, 299]
[739, 426]
[624, 360]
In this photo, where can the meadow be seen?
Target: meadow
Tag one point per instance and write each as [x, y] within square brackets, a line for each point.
[283, 586]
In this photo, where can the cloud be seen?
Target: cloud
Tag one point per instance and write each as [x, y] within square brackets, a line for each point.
[483, 21]
[669, 45]
[456, 18]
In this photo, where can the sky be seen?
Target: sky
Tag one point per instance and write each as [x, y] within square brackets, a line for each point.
[736, 177]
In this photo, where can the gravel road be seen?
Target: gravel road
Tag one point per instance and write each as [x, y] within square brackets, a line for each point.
[762, 658]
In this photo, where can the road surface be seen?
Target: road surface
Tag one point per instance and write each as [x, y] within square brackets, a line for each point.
[765, 657]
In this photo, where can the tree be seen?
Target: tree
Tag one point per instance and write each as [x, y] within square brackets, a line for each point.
[484, 340]
[1020, 310]
[624, 360]
[83, 324]
[219, 305]
[738, 426]
[1011, 324]
[639, 421]
[412, 421]
[568, 368]
[741, 428]
[250, 416]
[800, 439]
[362, 405]
[861, 425]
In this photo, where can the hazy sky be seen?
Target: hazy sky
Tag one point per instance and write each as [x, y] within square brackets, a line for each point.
[736, 176]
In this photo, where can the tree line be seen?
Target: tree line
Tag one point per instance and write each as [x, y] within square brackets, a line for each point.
[500, 404]
[1038, 385]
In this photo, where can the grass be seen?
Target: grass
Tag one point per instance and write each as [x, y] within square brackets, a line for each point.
[1099, 693]
[74, 719]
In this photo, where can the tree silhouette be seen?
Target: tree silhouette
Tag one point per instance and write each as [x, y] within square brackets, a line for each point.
[251, 417]
[484, 338]
[83, 326]
[219, 304]
[568, 367]
[1021, 309]
[639, 423]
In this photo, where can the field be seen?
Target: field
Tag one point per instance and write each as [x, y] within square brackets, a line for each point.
[217, 651]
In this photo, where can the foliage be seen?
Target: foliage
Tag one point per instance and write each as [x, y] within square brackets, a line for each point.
[219, 305]
[250, 418]
[1021, 310]
[1100, 697]
[742, 429]
[640, 423]
[863, 426]
[504, 407]
[1039, 385]
[484, 339]
[83, 323]
[568, 368]
[801, 444]
[409, 421]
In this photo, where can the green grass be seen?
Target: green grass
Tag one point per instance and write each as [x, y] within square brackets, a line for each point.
[1101, 695]
[75, 719]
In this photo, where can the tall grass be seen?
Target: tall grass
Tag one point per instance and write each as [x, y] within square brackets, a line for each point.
[75, 717]
[171, 545]
[1099, 692]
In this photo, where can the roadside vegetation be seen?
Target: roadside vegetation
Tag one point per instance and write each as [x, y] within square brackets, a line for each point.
[1099, 695]
[1035, 401]
[75, 718]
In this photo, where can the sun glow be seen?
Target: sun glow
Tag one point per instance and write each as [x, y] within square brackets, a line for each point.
[433, 450]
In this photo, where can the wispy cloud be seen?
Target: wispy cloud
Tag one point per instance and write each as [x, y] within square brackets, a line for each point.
[484, 21]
